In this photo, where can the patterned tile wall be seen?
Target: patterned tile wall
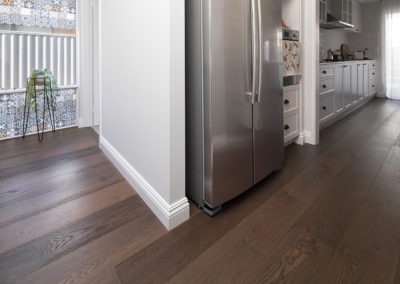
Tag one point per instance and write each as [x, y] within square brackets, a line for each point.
[41, 13]
[12, 113]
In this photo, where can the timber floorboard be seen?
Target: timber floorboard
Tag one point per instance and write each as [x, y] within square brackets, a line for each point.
[329, 216]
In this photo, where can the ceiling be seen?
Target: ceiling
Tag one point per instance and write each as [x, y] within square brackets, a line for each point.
[368, 1]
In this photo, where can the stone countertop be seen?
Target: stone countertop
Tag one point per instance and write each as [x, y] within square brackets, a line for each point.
[346, 61]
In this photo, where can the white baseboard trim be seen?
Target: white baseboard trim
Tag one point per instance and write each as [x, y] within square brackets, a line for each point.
[170, 215]
[300, 140]
[308, 138]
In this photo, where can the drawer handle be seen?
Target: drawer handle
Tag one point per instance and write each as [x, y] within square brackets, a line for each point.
[287, 127]
[324, 86]
[286, 102]
[324, 72]
[373, 86]
[324, 107]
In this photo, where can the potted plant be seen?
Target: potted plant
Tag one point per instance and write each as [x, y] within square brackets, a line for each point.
[49, 84]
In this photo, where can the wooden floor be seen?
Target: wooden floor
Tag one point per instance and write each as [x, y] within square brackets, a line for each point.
[332, 215]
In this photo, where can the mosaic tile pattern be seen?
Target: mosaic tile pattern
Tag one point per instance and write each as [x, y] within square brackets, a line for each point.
[12, 113]
[42, 13]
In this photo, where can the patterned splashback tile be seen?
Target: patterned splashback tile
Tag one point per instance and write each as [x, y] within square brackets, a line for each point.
[12, 113]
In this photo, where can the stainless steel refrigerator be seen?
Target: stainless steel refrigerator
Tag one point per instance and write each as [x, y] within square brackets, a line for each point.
[234, 108]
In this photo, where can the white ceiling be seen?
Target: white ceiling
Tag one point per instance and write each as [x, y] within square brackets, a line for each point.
[368, 1]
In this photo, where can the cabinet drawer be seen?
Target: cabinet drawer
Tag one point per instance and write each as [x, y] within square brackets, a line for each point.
[326, 85]
[372, 88]
[372, 74]
[326, 71]
[291, 98]
[291, 126]
[372, 66]
[327, 106]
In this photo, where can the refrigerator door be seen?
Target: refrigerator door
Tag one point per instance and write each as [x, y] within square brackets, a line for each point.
[228, 162]
[268, 111]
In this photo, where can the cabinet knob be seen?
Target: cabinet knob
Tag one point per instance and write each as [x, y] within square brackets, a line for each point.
[324, 72]
[324, 86]
[286, 102]
[373, 73]
[373, 65]
[286, 127]
[373, 86]
[324, 107]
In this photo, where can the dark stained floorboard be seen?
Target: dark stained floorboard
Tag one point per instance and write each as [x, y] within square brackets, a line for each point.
[330, 216]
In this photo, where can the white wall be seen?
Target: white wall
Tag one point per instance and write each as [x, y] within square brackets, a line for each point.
[143, 100]
[291, 14]
[310, 63]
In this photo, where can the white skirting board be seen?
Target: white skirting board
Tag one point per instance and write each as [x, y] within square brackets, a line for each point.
[170, 215]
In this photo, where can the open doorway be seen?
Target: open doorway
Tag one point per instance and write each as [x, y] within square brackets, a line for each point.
[37, 35]
[61, 37]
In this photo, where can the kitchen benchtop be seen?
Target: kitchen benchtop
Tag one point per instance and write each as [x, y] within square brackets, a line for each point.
[346, 61]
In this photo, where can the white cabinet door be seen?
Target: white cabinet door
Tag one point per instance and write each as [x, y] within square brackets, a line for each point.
[354, 83]
[365, 80]
[346, 86]
[327, 107]
[360, 80]
[372, 78]
[357, 16]
[339, 102]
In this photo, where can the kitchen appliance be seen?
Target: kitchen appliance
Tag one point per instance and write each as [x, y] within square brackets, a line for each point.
[234, 97]
[291, 57]
[344, 51]
[330, 55]
[359, 55]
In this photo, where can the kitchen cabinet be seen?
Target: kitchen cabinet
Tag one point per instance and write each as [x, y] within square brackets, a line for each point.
[372, 78]
[357, 19]
[343, 10]
[339, 102]
[327, 106]
[346, 85]
[354, 83]
[342, 87]
[323, 10]
[291, 112]
[365, 81]
[360, 81]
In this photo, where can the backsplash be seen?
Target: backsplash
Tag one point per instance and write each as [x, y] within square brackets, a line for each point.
[12, 113]
[333, 39]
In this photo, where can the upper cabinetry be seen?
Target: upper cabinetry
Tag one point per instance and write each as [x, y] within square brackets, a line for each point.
[339, 14]
[343, 10]
[356, 16]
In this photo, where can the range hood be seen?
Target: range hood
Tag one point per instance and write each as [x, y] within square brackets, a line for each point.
[334, 23]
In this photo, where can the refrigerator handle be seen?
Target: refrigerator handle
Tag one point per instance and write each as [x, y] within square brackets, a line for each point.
[260, 50]
[255, 52]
